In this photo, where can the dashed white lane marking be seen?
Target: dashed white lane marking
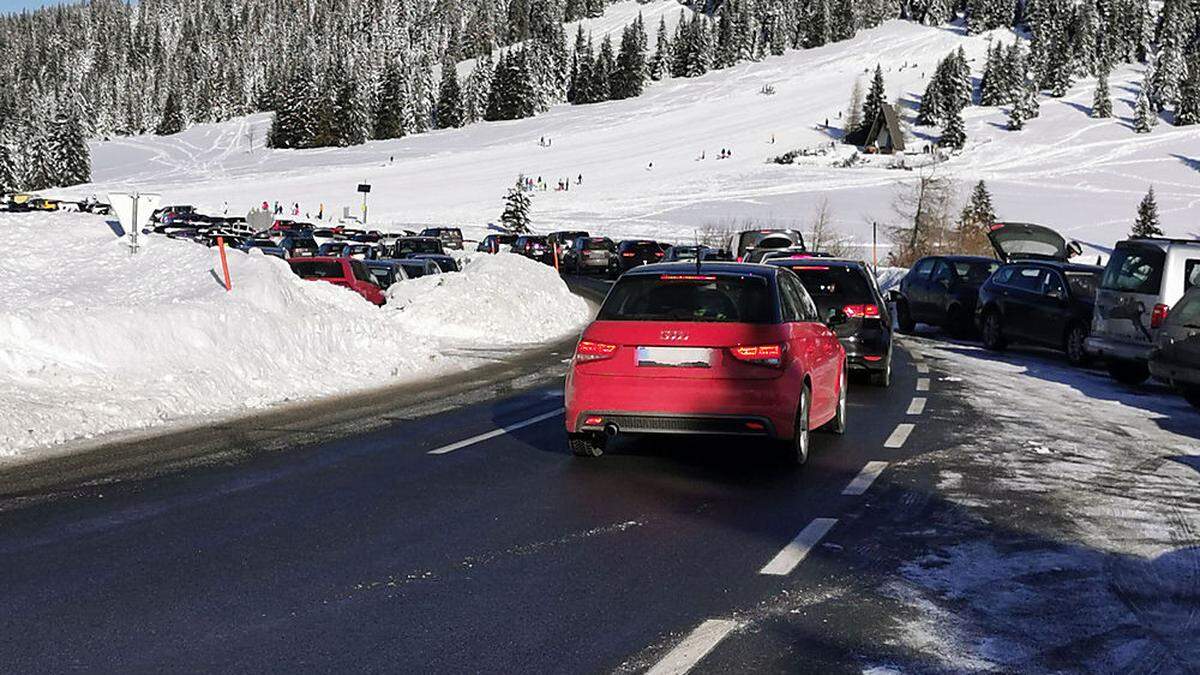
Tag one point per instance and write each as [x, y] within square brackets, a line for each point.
[917, 406]
[862, 482]
[922, 384]
[923, 368]
[899, 436]
[917, 356]
[694, 647]
[498, 432]
[798, 549]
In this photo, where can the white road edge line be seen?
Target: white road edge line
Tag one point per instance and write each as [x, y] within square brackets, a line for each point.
[923, 368]
[862, 482]
[694, 647]
[899, 436]
[917, 406]
[497, 432]
[922, 384]
[798, 549]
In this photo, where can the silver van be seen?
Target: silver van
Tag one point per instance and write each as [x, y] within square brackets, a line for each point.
[1142, 282]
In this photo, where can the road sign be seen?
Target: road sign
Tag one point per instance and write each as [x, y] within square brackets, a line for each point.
[133, 210]
[364, 188]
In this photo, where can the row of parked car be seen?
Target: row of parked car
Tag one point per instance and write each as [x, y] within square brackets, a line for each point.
[1140, 313]
[365, 261]
[20, 202]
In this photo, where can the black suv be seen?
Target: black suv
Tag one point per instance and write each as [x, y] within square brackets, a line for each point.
[637, 252]
[451, 237]
[534, 247]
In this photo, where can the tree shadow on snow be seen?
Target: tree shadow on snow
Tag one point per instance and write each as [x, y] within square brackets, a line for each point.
[1191, 162]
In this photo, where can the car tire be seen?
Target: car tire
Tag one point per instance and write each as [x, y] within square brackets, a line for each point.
[837, 425]
[904, 320]
[587, 444]
[1131, 373]
[1073, 345]
[992, 334]
[884, 377]
[795, 451]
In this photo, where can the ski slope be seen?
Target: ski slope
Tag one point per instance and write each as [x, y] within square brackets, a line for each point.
[1064, 169]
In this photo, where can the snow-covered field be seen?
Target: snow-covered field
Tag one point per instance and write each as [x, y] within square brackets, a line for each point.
[1080, 175]
[94, 340]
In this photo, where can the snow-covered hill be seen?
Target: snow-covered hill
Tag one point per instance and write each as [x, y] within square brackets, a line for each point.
[1064, 169]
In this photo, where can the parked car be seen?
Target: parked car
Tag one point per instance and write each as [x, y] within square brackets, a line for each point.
[681, 253]
[407, 247]
[1144, 278]
[635, 252]
[451, 237]
[361, 251]
[534, 247]
[942, 291]
[265, 246]
[726, 349]
[495, 243]
[444, 262]
[386, 272]
[332, 249]
[299, 246]
[1175, 357]
[591, 255]
[173, 212]
[849, 300]
[742, 242]
[564, 240]
[416, 268]
[1047, 303]
[352, 274]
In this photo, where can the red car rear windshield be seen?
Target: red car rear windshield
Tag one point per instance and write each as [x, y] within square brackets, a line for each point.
[691, 298]
[316, 269]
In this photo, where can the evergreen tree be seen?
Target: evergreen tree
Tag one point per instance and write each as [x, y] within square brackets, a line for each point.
[8, 169]
[1169, 71]
[295, 124]
[978, 211]
[629, 76]
[1146, 224]
[991, 85]
[876, 97]
[449, 113]
[517, 208]
[660, 62]
[954, 135]
[726, 52]
[1144, 117]
[172, 121]
[512, 96]
[67, 155]
[1102, 100]
[854, 120]
[1187, 111]
[842, 24]
[602, 72]
[390, 109]
[477, 90]
[349, 124]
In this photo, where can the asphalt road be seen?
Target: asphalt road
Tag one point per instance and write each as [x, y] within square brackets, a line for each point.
[440, 542]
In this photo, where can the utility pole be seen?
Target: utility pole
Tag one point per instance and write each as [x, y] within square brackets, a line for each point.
[875, 245]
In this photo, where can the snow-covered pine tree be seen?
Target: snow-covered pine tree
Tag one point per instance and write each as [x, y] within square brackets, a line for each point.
[1102, 99]
[602, 71]
[449, 112]
[595, 8]
[295, 124]
[349, 124]
[853, 117]
[1187, 112]
[842, 25]
[1033, 106]
[629, 75]
[477, 90]
[517, 208]
[932, 109]
[389, 111]
[8, 168]
[956, 82]
[1169, 71]
[660, 62]
[817, 24]
[725, 53]
[1146, 224]
[575, 10]
[955, 134]
[1144, 117]
[978, 210]
[172, 121]
[70, 160]
[991, 91]
[876, 98]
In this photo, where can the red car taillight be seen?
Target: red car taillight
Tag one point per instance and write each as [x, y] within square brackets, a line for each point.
[760, 355]
[861, 311]
[1159, 315]
[627, 255]
[589, 350]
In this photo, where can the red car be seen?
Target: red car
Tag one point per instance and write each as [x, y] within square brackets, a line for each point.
[723, 348]
[352, 274]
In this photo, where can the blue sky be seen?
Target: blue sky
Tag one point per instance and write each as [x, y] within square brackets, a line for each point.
[18, 5]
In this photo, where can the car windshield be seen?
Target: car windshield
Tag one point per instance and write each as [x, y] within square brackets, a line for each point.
[1135, 269]
[834, 287]
[640, 247]
[1083, 284]
[1186, 312]
[318, 269]
[974, 272]
[690, 298]
[418, 246]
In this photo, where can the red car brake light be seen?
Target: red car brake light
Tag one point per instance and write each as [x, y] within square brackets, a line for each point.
[760, 355]
[861, 311]
[627, 255]
[1159, 315]
[590, 350]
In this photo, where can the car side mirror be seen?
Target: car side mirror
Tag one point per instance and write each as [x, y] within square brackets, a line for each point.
[1074, 249]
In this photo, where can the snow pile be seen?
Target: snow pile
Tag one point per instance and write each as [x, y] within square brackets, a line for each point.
[94, 340]
[889, 277]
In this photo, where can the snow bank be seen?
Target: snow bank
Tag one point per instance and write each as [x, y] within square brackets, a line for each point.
[889, 277]
[94, 340]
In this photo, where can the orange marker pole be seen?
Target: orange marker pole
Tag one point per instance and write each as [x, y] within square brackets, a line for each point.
[556, 259]
[224, 263]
